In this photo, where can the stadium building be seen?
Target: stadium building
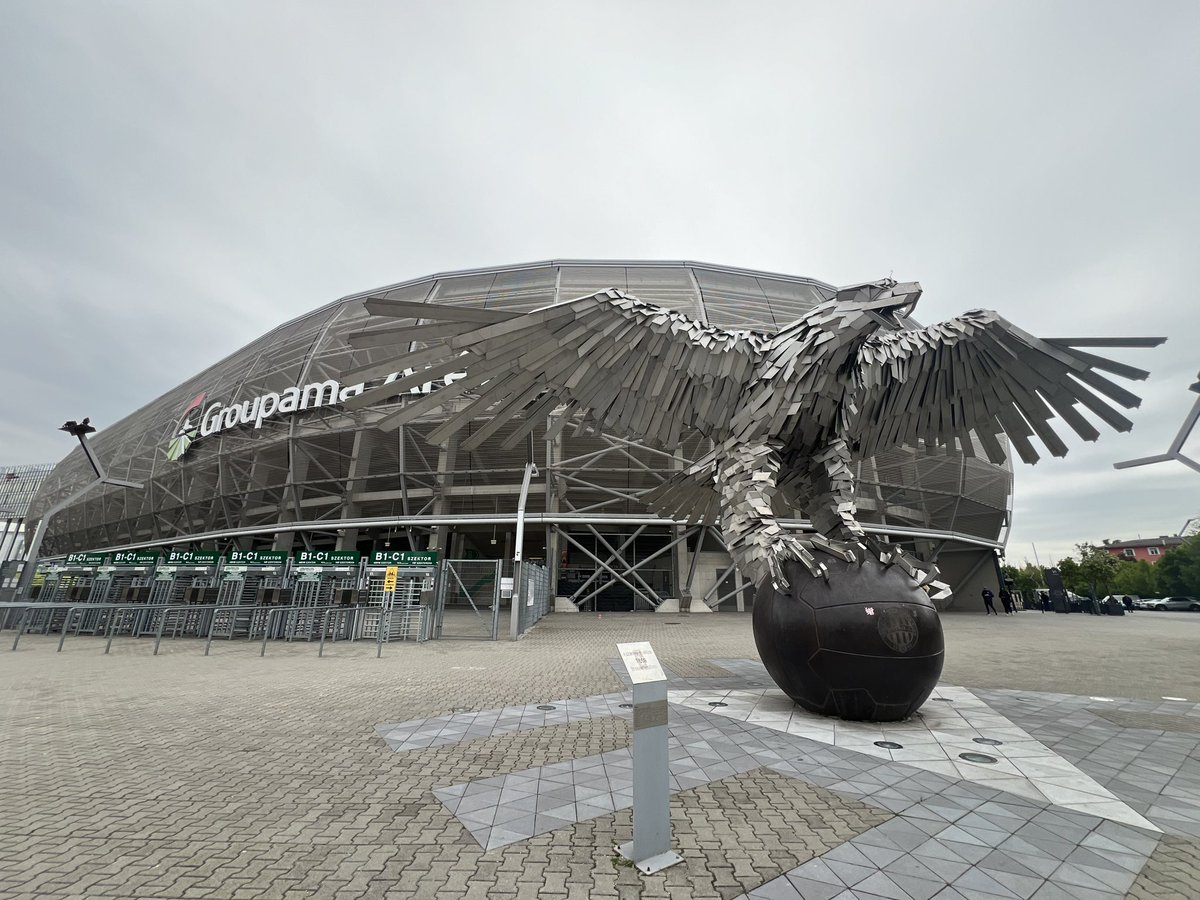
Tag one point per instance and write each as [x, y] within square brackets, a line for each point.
[18, 486]
[258, 453]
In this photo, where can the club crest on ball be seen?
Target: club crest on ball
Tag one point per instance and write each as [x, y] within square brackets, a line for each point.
[898, 628]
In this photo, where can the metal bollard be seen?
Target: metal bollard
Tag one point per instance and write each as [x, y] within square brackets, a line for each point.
[267, 630]
[324, 628]
[111, 623]
[66, 626]
[385, 622]
[650, 850]
[162, 623]
[20, 628]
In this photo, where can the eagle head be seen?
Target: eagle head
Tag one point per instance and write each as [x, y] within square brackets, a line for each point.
[876, 304]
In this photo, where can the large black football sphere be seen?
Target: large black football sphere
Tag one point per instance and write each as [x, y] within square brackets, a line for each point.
[867, 644]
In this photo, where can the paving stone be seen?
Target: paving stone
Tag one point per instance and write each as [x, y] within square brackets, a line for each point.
[268, 777]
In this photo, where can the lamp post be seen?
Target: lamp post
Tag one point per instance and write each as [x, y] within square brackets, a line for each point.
[78, 430]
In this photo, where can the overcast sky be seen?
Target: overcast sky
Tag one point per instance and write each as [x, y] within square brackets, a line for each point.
[178, 178]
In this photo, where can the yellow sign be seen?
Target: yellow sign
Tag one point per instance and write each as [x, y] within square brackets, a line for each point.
[389, 578]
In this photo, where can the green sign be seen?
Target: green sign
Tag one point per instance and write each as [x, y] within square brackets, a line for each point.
[85, 559]
[135, 558]
[192, 557]
[256, 557]
[328, 558]
[405, 559]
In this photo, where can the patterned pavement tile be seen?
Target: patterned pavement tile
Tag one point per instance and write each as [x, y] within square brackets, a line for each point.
[178, 776]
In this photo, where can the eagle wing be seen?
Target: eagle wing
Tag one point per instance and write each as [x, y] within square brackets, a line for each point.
[642, 371]
[978, 374]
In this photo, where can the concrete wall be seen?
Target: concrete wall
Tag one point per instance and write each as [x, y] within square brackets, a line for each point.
[968, 571]
[712, 563]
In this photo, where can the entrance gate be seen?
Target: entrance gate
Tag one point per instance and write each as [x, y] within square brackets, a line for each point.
[468, 599]
[399, 609]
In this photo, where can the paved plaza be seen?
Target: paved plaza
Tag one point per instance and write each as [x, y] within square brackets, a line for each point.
[1058, 758]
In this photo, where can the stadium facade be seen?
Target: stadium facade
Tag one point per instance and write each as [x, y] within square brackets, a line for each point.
[258, 453]
[18, 487]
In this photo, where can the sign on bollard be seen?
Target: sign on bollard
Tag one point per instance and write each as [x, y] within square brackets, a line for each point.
[650, 850]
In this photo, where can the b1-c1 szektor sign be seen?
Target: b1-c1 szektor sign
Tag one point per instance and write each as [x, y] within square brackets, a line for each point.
[202, 419]
[328, 558]
[189, 558]
[405, 559]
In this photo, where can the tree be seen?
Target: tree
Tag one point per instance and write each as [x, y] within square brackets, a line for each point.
[1027, 578]
[1072, 578]
[1178, 570]
[1098, 568]
[1137, 578]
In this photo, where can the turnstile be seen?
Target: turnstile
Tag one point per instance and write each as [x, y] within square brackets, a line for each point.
[400, 607]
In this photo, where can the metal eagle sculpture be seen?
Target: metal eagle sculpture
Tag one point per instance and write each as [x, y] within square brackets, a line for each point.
[787, 412]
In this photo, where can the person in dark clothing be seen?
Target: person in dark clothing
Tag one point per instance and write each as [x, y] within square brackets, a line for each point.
[1128, 603]
[1006, 601]
[987, 603]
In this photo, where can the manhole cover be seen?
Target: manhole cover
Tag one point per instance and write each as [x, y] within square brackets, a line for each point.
[625, 705]
[977, 757]
[545, 706]
[889, 745]
[991, 742]
[717, 703]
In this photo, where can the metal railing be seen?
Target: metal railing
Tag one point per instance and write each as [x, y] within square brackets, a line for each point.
[401, 622]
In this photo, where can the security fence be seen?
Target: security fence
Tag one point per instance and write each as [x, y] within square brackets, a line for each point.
[462, 598]
[467, 601]
[533, 600]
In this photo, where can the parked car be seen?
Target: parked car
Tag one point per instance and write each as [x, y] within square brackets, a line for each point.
[1133, 599]
[1165, 604]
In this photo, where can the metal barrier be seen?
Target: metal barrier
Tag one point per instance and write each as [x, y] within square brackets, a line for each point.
[534, 597]
[470, 590]
[403, 621]
[183, 620]
[92, 617]
[337, 620]
[35, 616]
[294, 623]
[237, 621]
[128, 619]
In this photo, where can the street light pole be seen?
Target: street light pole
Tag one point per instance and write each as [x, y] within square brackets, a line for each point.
[79, 430]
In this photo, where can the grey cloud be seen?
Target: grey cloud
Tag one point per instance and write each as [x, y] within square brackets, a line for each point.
[176, 179]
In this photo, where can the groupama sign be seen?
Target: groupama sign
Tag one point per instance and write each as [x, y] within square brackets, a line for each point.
[203, 418]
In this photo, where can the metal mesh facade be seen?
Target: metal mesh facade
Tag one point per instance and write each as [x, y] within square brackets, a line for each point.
[328, 467]
[18, 487]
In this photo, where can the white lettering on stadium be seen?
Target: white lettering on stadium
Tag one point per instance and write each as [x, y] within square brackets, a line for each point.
[218, 417]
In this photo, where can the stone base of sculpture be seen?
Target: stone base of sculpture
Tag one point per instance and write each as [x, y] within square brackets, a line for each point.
[866, 644]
